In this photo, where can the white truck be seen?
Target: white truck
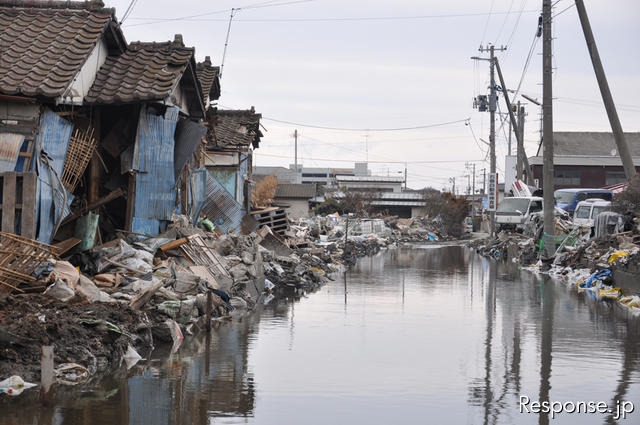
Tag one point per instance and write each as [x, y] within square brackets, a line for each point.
[586, 211]
[513, 212]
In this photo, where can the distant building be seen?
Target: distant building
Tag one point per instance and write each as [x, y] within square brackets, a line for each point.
[281, 173]
[295, 197]
[307, 175]
[327, 176]
[586, 159]
[370, 183]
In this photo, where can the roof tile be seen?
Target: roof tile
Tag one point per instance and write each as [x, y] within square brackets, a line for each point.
[146, 71]
[208, 76]
[48, 43]
[233, 129]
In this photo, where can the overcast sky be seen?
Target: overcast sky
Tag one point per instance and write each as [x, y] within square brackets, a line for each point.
[319, 63]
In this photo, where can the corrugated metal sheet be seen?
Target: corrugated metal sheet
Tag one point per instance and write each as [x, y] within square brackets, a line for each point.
[221, 208]
[153, 158]
[10, 144]
[50, 153]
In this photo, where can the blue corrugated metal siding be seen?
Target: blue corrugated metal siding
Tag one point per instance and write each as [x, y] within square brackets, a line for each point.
[221, 208]
[50, 153]
[153, 158]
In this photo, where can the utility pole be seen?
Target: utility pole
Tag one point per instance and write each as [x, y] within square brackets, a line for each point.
[492, 120]
[484, 181]
[547, 132]
[509, 143]
[405, 176]
[474, 178]
[295, 153]
[612, 113]
[453, 180]
[520, 149]
[512, 118]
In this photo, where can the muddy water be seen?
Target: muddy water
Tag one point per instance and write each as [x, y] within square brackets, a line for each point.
[410, 336]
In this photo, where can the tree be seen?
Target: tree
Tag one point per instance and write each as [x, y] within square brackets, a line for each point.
[451, 209]
[629, 199]
[264, 192]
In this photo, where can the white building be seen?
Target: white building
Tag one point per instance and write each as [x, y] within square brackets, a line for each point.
[370, 183]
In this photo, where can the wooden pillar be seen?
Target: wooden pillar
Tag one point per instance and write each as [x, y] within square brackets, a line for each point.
[93, 193]
[131, 200]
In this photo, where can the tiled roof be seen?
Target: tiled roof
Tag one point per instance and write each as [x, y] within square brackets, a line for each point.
[291, 190]
[590, 143]
[145, 72]
[233, 129]
[43, 44]
[208, 77]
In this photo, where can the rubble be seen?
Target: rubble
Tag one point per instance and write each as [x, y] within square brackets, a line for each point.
[105, 305]
[602, 265]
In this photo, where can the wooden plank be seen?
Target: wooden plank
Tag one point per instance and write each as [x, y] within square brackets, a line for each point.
[131, 202]
[66, 245]
[173, 244]
[29, 187]
[8, 202]
[95, 205]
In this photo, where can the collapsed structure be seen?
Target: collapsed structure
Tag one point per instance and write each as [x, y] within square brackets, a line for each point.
[88, 120]
[126, 197]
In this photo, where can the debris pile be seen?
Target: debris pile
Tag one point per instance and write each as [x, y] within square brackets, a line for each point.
[417, 229]
[604, 267]
[104, 305]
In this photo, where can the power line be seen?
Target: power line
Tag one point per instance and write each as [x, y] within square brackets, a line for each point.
[375, 162]
[259, 5]
[418, 127]
[506, 18]
[564, 10]
[527, 62]
[129, 10]
[376, 141]
[486, 25]
[524, 4]
[327, 19]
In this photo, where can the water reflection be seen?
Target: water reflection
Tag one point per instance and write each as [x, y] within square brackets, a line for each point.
[434, 335]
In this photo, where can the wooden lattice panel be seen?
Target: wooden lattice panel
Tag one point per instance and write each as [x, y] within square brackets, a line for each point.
[19, 258]
[81, 147]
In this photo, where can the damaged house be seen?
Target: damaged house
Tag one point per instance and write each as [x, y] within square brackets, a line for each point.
[87, 120]
[232, 135]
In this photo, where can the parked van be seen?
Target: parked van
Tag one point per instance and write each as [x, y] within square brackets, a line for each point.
[513, 212]
[568, 199]
[586, 211]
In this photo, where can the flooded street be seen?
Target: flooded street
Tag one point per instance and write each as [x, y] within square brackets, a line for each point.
[413, 335]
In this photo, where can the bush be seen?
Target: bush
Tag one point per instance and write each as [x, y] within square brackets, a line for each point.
[629, 199]
[353, 203]
[451, 209]
[264, 192]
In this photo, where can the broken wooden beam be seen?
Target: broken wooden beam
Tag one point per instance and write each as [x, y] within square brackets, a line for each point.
[95, 205]
[144, 296]
[173, 244]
